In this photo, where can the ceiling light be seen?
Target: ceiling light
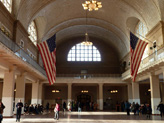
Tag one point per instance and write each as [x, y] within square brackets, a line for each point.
[92, 5]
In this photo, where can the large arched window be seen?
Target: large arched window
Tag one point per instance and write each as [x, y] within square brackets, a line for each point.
[7, 4]
[80, 52]
[32, 32]
[141, 32]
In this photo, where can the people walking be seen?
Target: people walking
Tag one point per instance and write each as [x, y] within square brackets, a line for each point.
[148, 111]
[1, 111]
[160, 107]
[69, 106]
[47, 107]
[19, 110]
[127, 107]
[64, 106]
[56, 110]
[79, 107]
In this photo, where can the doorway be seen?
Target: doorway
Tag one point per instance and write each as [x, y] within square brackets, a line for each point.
[85, 100]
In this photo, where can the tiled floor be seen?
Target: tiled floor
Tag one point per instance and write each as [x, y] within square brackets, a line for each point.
[87, 117]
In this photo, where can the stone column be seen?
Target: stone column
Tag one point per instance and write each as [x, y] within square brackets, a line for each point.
[130, 96]
[35, 92]
[20, 89]
[1, 88]
[155, 93]
[40, 93]
[135, 92]
[100, 96]
[69, 92]
[8, 92]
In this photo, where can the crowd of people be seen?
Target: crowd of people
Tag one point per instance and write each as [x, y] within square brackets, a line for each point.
[136, 108]
[78, 106]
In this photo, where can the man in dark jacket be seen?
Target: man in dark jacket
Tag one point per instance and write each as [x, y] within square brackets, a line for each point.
[1, 111]
[161, 108]
[19, 110]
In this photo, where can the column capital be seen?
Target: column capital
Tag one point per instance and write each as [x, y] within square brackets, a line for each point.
[69, 84]
[100, 84]
[151, 73]
[13, 68]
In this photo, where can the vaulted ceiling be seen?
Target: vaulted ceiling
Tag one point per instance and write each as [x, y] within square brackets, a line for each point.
[67, 18]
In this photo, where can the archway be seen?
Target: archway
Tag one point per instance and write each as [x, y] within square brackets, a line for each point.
[85, 100]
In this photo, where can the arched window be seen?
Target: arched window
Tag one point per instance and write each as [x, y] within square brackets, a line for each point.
[32, 32]
[7, 4]
[141, 32]
[80, 52]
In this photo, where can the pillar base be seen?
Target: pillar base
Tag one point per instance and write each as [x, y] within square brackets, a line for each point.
[136, 101]
[154, 103]
[8, 102]
[100, 104]
[130, 100]
[34, 101]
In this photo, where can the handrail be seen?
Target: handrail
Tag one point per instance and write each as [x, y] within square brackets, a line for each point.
[149, 60]
[20, 52]
[88, 75]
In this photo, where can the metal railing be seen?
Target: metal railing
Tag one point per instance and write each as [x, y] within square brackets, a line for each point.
[20, 52]
[88, 75]
[156, 57]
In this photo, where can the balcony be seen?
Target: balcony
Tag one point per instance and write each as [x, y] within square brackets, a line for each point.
[153, 60]
[20, 52]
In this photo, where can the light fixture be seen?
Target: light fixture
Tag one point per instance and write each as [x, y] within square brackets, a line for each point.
[86, 40]
[55, 91]
[84, 91]
[92, 5]
[114, 91]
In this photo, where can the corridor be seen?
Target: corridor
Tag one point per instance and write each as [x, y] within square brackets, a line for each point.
[87, 117]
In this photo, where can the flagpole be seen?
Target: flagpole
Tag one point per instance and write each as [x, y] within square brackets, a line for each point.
[144, 38]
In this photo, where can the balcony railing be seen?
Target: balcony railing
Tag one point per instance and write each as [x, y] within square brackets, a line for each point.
[153, 59]
[20, 52]
[88, 75]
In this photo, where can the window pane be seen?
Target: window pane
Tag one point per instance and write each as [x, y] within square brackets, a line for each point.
[73, 59]
[82, 59]
[69, 59]
[32, 32]
[83, 53]
[73, 51]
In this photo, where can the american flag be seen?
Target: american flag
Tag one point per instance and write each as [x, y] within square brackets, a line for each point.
[137, 48]
[48, 53]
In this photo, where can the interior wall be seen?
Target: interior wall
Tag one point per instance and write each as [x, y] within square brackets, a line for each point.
[111, 99]
[51, 97]
[76, 91]
[145, 95]
[1, 88]
[28, 93]
[109, 64]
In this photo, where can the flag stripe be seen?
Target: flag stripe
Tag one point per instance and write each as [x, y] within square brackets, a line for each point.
[54, 61]
[137, 54]
[50, 61]
[137, 48]
[48, 53]
[47, 61]
[44, 62]
[135, 73]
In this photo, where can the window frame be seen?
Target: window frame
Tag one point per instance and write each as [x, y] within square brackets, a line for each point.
[32, 31]
[141, 31]
[83, 53]
[7, 5]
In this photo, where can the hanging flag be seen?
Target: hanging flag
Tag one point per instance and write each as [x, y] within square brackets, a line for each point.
[48, 53]
[137, 48]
